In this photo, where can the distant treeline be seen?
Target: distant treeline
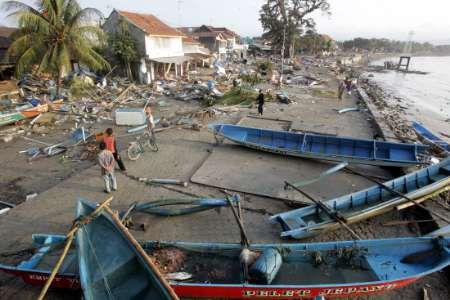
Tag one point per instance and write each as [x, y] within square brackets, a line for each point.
[392, 46]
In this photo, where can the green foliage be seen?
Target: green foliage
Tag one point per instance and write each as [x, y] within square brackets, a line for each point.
[123, 45]
[265, 66]
[251, 79]
[313, 42]
[385, 45]
[81, 86]
[289, 18]
[238, 95]
[208, 100]
[52, 34]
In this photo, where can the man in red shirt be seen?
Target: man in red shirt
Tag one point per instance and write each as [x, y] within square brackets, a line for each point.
[111, 145]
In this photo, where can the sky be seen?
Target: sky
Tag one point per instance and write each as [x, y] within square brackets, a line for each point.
[393, 19]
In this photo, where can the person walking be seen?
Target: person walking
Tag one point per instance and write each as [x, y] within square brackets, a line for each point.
[111, 145]
[107, 164]
[260, 100]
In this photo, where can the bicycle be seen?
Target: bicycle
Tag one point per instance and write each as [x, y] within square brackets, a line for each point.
[135, 149]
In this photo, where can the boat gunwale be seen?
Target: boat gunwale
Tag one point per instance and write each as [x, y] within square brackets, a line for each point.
[316, 155]
[235, 246]
[376, 209]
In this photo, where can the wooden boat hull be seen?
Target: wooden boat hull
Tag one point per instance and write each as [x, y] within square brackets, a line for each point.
[430, 137]
[419, 186]
[13, 117]
[35, 111]
[110, 265]
[10, 118]
[322, 147]
[406, 274]
[70, 281]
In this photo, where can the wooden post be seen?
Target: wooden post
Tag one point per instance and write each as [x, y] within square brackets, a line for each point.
[404, 63]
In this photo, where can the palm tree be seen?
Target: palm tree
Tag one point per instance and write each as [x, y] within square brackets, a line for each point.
[52, 34]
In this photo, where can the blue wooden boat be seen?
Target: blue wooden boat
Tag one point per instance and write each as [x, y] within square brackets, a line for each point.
[333, 269]
[430, 137]
[306, 145]
[311, 220]
[109, 264]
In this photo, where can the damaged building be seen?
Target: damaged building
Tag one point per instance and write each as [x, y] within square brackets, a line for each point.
[160, 46]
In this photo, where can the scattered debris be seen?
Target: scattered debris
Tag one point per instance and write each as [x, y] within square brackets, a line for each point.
[346, 110]
[164, 181]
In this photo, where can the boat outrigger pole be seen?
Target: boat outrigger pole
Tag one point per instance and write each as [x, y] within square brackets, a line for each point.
[391, 190]
[335, 215]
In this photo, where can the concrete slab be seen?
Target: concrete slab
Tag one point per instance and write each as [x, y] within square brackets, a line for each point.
[265, 123]
[237, 168]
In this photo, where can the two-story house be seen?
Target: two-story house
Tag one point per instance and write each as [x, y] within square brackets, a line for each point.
[219, 40]
[160, 46]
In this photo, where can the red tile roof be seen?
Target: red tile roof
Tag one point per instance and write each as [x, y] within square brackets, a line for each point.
[223, 30]
[6, 31]
[150, 24]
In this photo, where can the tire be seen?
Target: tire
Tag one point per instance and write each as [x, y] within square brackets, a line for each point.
[134, 152]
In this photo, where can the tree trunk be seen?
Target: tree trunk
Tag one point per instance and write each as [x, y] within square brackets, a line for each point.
[59, 82]
[292, 49]
[129, 73]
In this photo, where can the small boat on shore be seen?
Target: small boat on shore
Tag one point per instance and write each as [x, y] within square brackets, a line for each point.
[323, 147]
[25, 112]
[312, 220]
[430, 137]
[110, 266]
[207, 270]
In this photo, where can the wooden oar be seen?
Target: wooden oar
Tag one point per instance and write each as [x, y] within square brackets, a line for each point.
[335, 215]
[245, 240]
[246, 254]
[391, 190]
[69, 239]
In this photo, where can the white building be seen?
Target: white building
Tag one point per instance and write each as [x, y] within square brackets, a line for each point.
[159, 45]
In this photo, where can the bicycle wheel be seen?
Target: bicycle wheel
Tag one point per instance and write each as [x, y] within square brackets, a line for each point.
[134, 151]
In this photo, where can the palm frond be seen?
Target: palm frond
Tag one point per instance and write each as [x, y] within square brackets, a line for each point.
[84, 16]
[94, 34]
[19, 46]
[27, 60]
[31, 21]
[52, 33]
[70, 10]
[21, 7]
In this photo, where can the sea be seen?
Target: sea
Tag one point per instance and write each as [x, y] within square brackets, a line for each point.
[427, 97]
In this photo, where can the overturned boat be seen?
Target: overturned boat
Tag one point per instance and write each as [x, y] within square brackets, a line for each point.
[311, 220]
[324, 147]
[430, 137]
[282, 271]
[111, 265]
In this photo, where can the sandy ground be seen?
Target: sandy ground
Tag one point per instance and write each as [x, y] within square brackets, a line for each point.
[182, 153]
